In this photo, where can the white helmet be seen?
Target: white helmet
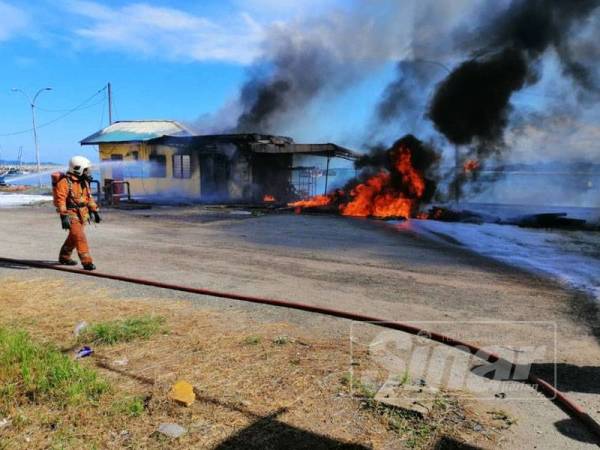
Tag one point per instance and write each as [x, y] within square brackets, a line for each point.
[78, 164]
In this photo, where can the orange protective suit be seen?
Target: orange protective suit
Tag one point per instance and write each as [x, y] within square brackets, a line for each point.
[74, 199]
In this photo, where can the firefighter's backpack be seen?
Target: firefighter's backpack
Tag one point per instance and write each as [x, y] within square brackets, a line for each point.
[56, 177]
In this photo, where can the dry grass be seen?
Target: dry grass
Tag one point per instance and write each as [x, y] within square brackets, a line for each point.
[265, 383]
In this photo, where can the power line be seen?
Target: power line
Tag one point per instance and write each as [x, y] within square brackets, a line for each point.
[71, 109]
[54, 110]
[80, 106]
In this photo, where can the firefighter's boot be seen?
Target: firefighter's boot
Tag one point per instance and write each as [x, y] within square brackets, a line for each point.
[67, 262]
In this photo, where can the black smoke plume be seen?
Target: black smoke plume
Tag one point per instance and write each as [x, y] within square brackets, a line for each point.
[473, 102]
[300, 72]
[472, 105]
[303, 62]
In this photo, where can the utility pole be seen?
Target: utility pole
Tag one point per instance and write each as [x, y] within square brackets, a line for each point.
[35, 139]
[109, 103]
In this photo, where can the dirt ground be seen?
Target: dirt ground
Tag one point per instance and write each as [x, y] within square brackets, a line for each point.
[358, 265]
[258, 386]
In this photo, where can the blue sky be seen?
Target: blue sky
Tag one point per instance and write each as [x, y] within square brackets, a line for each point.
[165, 59]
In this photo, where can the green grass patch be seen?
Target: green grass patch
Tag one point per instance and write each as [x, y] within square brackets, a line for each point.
[122, 330]
[359, 388]
[252, 340]
[131, 406]
[404, 379]
[35, 372]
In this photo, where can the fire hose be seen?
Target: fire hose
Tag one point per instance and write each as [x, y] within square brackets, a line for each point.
[550, 391]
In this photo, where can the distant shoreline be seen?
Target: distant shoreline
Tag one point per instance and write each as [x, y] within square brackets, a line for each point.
[26, 165]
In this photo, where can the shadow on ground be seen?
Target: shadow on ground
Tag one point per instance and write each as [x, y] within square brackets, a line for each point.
[448, 443]
[268, 432]
[570, 378]
[564, 377]
[586, 311]
[572, 429]
[11, 265]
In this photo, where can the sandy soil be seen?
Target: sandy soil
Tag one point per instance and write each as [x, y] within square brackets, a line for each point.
[357, 265]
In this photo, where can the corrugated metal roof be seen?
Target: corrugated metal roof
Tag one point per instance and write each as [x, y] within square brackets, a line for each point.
[136, 131]
[329, 150]
[257, 143]
[239, 138]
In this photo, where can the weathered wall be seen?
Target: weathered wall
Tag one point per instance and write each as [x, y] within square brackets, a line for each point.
[230, 174]
[138, 175]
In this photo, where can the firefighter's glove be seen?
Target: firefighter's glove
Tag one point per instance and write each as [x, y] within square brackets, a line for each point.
[65, 222]
[97, 217]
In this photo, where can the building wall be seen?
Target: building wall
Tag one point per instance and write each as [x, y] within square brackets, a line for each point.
[138, 175]
[219, 173]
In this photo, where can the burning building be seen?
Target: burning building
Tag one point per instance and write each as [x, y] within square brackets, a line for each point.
[393, 182]
[164, 159]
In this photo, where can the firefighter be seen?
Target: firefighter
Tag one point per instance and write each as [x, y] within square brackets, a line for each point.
[76, 206]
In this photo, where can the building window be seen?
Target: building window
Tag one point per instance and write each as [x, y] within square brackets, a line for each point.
[158, 166]
[182, 166]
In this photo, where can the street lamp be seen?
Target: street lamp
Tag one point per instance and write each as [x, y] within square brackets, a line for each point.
[35, 140]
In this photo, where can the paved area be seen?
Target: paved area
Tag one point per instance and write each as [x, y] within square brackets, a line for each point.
[358, 265]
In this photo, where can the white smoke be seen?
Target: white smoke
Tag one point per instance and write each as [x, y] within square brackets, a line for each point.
[324, 59]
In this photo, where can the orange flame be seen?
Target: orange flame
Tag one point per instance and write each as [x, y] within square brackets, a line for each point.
[268, 198]
[378, 197]
[317, 200]
[471, 165]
